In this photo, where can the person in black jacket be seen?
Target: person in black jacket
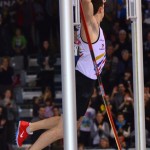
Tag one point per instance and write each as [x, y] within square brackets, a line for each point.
[46, 60]
[6, 75]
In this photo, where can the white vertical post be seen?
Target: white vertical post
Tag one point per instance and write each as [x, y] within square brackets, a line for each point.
[76, 4]
[68, 75]
[134, 13]
[138, 90]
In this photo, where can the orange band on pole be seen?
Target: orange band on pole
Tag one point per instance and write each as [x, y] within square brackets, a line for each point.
[99, 78]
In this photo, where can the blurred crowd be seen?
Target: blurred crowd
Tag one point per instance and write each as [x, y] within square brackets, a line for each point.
[30, 27]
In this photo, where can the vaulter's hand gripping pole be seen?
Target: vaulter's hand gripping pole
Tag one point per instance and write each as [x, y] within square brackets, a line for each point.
[99, 78]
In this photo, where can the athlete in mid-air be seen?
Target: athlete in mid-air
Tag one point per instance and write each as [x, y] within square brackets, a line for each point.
[85, 78]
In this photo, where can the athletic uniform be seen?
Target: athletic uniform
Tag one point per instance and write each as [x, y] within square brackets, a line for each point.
[85, 71]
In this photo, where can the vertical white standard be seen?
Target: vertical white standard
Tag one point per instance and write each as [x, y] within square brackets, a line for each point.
[68, 74]
[134, 13]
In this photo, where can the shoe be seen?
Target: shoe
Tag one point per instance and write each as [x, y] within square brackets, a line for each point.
[22, 134]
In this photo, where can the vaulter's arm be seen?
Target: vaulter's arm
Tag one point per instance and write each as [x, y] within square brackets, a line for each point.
[88, 10]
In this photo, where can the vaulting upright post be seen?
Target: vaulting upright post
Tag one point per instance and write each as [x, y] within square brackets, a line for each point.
[134, 12]
[68, 74]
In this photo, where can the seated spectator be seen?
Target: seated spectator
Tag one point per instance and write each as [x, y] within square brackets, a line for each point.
[56, 111]
[47, 94]
[19, 43]
[110, 71]
[122, 140]
[127, 108]
[11, 110]
[122, 127]
[100, 128]
[46, 60]
[147, 90]
[125, 64]
[41, 115]
[122, 43]
[3, 129]
[5, 33]
[6, 74]
[36, 105]
[115, 30]
[48, 108]
[85, 127]
[58, 144]
[81, 147]
[104, 143]
[109, 103]
[127, 80]
[117, 96]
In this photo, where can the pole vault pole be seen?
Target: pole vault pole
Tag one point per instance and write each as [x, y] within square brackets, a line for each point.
[134, 14]
[99, 79]
[68, 75]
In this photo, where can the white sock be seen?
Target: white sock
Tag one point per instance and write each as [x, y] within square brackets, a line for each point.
[28, 130]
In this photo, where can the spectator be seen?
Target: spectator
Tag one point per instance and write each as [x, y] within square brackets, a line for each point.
[56, 111]
[41, 116]
[109, 16]
[46, 60]
[81, 147]
[109, 103]
[125, 64]
[146, 13]
[122, 127]
[47, 94]
[100, 128]
[115, 30]
[104, 143]
[122, 140]
[127, 80]
[53, 20]
[36, 105]
[48, 108]
[122, 43]
[127, 108]
[5, 36]
[19, 43]
[121, 12]
[24, 18]
[3, 121]
[6, 74]
[40, 24]
[110, 70]
[85, 127]
[147, 90]
[58, 144]
[117, 96]
[11, 110]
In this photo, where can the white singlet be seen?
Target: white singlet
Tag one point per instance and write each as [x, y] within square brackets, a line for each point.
[85, 62]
